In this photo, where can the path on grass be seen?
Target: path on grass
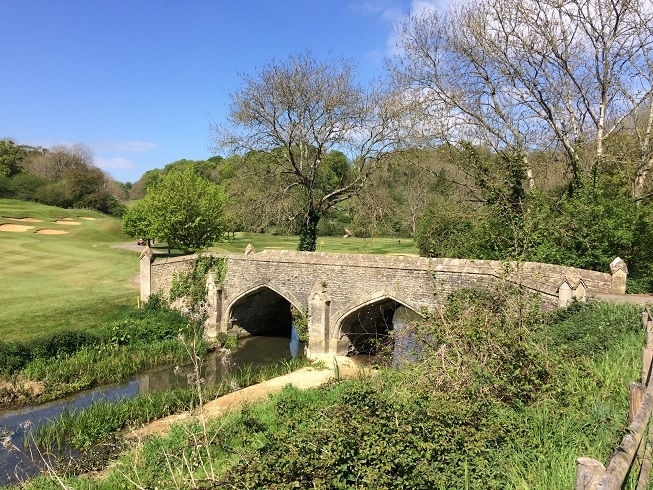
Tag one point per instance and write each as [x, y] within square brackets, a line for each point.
[130, 246]
[303, 379]
[633, 299]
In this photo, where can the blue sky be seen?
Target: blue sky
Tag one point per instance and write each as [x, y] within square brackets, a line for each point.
[140, 81]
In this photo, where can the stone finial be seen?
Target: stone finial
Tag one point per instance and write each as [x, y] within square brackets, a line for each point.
[619, 272]
[573, 287]
[249, 249]
[147, 252]
[618, 264]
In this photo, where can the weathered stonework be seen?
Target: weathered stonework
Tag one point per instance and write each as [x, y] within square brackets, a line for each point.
[334, 288]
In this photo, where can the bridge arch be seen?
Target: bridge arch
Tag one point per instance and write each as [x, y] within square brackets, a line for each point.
[261, 308]
[364, 324]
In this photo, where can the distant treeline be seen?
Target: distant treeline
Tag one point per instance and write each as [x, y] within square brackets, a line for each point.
[458, 201]
[59, 176]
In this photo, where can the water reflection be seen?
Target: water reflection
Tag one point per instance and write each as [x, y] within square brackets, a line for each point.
[255, 351]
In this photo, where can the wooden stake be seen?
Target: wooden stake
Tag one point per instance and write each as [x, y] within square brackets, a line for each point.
[647, 356]
[588, 473]
[636, 395]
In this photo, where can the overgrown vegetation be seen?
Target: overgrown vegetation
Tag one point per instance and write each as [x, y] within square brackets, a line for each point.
[300, 321]
[68, 361]
[191, 285]
[500, 397]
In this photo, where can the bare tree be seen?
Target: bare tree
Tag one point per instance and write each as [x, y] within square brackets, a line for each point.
[532, 74]
[60, 159]
[296, 112]
[643, 118]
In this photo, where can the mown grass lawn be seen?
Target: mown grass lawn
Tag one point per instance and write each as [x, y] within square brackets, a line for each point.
[75, 280]
[353, 245]
[67, 281]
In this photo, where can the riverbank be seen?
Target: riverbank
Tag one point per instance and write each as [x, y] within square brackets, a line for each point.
[323, 370]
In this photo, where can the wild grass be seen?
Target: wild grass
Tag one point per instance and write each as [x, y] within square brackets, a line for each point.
[90, 367]
[392, 431]
[71, 281]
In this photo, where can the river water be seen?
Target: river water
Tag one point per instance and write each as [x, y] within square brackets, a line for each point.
[254, 351]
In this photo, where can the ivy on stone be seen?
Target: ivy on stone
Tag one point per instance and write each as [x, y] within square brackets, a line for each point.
[191, 285]
[300, 320]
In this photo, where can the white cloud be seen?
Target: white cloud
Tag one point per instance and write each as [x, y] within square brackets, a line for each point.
[133, 146]
[113, 163]
[394, 16]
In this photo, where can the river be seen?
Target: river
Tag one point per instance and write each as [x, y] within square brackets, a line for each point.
[254, 351]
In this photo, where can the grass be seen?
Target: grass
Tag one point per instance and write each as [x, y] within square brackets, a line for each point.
[71, 281]
[264, 241]
[389, 432]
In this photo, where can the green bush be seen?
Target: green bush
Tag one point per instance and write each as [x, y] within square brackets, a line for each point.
[146, 325]
[139, 327]
[599, 224]
[480, 345]
[364, 437]
[590, 329]
[14, 356]
[62, 343]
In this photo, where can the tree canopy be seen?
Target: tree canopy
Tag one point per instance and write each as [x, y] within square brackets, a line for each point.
[182, 209]
[534, 75]
[59, 176]
[297, 112]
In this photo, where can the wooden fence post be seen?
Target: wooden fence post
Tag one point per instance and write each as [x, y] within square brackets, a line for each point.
[645, 470]
[636, 395]
[647, 356]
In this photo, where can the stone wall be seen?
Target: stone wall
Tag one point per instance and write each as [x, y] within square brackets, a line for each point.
[331, 286]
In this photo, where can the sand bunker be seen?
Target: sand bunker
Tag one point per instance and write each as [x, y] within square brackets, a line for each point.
[66, 221]
[15, 228]
[29, 220]
[86, 217]
[50, 231]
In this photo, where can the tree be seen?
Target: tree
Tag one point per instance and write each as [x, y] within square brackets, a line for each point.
[296, 112]
[181, 209]
[136, 222]
[534, 74]
[12, 155]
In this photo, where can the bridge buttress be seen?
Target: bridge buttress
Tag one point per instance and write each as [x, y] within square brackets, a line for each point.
[319, 306]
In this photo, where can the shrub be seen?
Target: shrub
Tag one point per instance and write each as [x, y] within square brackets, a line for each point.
[480, 344]
[13, 357]
[147, 325]
[589, 329]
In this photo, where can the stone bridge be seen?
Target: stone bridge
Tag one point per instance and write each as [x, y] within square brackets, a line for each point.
[349, 297]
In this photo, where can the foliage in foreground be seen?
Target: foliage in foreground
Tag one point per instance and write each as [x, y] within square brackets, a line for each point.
[515, 415]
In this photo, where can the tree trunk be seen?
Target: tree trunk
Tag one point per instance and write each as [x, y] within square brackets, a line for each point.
[308, 231]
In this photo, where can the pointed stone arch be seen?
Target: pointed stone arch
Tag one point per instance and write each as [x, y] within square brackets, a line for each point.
[268, 306]
[365, 319]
